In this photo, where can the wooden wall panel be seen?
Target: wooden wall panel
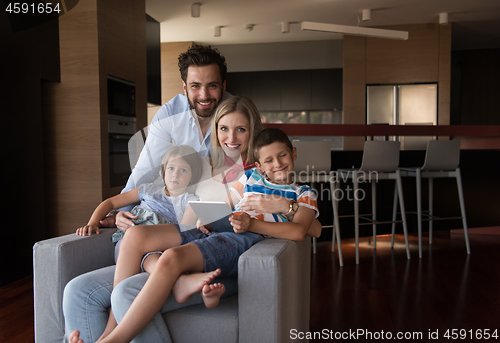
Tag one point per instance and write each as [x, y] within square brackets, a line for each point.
[171, 83]
[120, 38]
[140, 59]
[354, 87]
[97, 38]
[424, 57]
[444, 80]
[398, 61]
[73, 165]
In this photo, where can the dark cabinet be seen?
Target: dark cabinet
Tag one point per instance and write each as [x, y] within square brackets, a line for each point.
[326, 89]
[239, 84]
[266, 90]
[290, 90]
[296, 90]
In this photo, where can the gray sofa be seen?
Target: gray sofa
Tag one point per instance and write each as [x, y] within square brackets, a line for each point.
[273, 291]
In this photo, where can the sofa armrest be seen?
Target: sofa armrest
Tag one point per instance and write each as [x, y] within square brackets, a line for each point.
[274, 280]
[55, 262]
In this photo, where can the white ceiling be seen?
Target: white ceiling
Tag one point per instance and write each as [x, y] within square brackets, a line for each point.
[476, 23]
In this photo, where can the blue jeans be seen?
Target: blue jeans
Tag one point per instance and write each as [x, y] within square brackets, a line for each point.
[88, 297]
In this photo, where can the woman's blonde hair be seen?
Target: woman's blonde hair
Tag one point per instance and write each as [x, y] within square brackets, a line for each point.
[245, 106]
[188, 154]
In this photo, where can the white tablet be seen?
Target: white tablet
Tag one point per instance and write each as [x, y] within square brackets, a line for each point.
[214, 215]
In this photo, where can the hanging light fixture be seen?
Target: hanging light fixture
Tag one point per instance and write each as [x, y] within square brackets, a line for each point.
[443, 18]
[217, 31]
[366, 15]
[285, 27]
[195, 10]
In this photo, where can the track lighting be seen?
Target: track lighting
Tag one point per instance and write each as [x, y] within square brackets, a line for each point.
[354, 30]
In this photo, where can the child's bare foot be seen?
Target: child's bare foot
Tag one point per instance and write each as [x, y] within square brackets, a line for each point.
[188, 284]
[211, 294]
[74, 337]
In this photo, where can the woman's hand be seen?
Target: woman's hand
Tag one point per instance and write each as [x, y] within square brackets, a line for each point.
[123, 221]
[265, 204]
[87, 229]
[202, 228]
[241, 223]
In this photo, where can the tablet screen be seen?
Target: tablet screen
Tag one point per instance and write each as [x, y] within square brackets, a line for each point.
[213, 215]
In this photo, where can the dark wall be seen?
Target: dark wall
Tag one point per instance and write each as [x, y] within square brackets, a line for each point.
[153, 47]
[475, 87]
[29, 57]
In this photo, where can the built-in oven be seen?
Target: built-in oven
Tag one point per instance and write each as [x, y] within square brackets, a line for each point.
[121, 127]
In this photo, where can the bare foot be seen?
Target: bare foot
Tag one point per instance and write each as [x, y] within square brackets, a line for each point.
[74, 337]
[188, 284]
[211, 294]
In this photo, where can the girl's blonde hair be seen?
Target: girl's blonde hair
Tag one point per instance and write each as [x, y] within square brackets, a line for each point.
[188, 154]
[245, 106]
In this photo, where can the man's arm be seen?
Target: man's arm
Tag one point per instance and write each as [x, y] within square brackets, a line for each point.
[158, 142]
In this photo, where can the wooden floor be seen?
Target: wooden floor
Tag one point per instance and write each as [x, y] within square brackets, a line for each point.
[385, 294]
[16, 312]
[446, 289]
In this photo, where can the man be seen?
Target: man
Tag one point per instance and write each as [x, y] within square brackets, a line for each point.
[185, 119]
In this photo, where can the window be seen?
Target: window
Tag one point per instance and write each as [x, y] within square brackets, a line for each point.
[302, 117]
[307, 117]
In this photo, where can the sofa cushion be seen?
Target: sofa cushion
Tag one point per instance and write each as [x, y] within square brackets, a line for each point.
[198, 324]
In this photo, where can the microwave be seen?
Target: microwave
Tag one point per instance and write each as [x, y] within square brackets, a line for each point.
[121, 97]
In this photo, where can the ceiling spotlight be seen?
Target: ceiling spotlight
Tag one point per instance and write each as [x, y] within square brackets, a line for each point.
[443, 18]
[195, 10]
[366, 15]
[217, 30]
[249, 27]
[285, 27]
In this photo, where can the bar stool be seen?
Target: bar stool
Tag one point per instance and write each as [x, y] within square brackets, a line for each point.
[313, 164]
[380, 158]
[441, 161]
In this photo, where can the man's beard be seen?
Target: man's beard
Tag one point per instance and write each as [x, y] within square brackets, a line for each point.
[205, 113]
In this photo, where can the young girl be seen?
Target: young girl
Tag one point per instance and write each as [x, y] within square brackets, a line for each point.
[160, 203]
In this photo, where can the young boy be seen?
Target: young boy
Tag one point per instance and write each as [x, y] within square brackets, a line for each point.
[273, 175]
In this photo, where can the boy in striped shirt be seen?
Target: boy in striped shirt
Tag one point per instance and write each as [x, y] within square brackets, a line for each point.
[273, 175]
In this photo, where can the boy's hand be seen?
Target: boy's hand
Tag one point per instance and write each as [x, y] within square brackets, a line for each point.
[241, 223]
[108, 221]
[82, 231]
[202, 228]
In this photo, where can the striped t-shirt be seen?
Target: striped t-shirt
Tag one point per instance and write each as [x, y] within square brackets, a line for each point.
[253, 182]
